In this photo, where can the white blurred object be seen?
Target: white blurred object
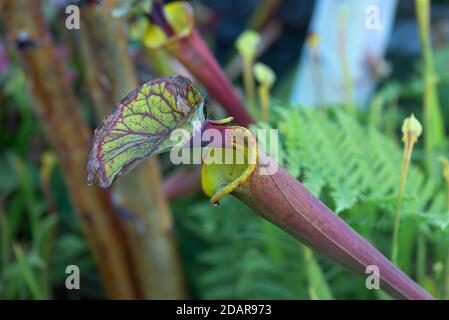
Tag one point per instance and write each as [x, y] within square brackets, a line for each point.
[344, 55]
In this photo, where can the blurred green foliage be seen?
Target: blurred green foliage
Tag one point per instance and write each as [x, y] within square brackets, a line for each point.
[37, 240]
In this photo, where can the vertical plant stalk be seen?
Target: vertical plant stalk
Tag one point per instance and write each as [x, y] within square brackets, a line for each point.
[266, 78]
[193, 53]
[342, 46]
[176, 22]
[92, 77]
[411, 130]
[421, 253]
[248, 81]
[182, 182]
[433, 120]
[269, 34]
[5, 242]
[445, 163]
[30, 278]
[246, 45]
[313, 42]
[264, 96]
[278, 197]
[308, 256]
[140, 194]
[188, 182]
[64, 128]
[160, 62]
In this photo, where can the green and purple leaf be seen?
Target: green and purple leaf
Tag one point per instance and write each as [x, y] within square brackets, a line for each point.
[141, 125]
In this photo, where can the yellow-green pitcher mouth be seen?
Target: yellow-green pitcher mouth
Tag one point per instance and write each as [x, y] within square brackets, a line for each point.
[220, 179]
[179, 15]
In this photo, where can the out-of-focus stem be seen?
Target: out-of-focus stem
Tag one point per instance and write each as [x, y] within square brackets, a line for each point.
[248, 81]
[264, 97]
[421, 252]
[347, 79]
[317, 286]
[433, 121]
[64, 128]
[193, 53]
[91, 76]
[408, 149]
[272, 245]
[140, 193]
[268, 36]
[446, 278]
[187, 182]
[446, 178]
[157, 16]
[266, 78]
[4, 239]
[278, 197]
[313, 41]
[411, 131]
